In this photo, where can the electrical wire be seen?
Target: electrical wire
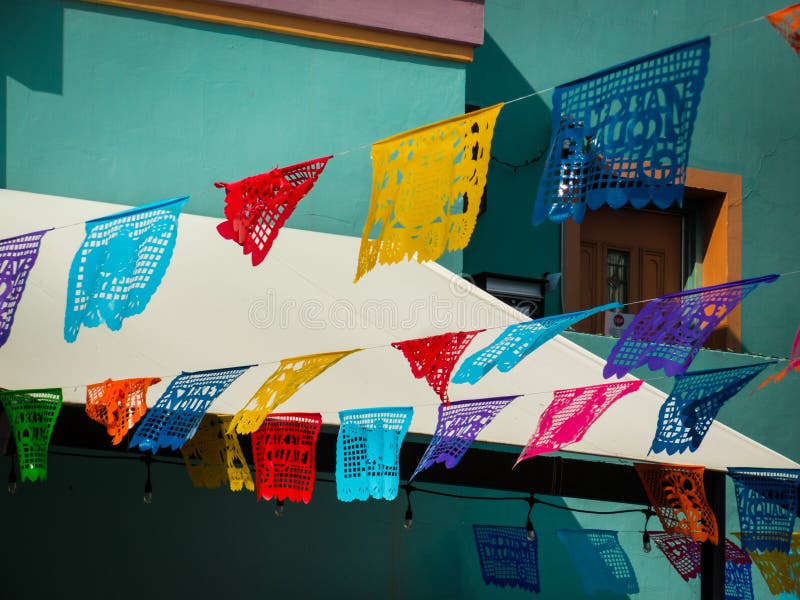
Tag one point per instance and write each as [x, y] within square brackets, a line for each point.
[119, 456]
[526, 163]
[412, 488]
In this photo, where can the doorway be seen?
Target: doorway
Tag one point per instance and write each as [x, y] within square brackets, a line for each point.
[710, 244]
[628, 255]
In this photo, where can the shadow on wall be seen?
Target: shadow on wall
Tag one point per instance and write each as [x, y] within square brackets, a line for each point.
[522, 133]
[200, 543]
[31, 52]
[145, 109]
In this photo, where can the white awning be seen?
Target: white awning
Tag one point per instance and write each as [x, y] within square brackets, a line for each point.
[214, 310]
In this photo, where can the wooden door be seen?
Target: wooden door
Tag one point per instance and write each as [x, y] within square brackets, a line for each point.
[626, 256]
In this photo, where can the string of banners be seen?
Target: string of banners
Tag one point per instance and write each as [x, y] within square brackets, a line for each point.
[620, 137]
[684, 419]
[368, 448]
[509, 556]
[370, 439]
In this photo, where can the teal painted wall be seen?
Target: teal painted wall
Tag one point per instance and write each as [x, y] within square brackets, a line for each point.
[130, 107]
[93, 538]
[85, 532]
[748, 123]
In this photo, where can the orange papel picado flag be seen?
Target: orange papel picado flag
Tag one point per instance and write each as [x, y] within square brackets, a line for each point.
[787, 22]
[118, 404]
[678, 496]
[426, 190]
[290, 376]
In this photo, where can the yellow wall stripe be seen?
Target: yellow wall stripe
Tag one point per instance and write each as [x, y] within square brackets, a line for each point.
[299, 26]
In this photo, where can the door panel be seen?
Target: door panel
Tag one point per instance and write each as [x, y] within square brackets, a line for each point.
[628, 256]
[653, 276]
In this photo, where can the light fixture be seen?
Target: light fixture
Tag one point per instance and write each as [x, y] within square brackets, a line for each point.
[525, 294]
[408, 521]
[529, 531]
[12, 478]
[148, 485]
[646, 545]
[279, 507]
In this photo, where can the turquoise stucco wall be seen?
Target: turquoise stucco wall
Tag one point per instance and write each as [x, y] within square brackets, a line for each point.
[129, 107]
[748, 123]
[93, 538]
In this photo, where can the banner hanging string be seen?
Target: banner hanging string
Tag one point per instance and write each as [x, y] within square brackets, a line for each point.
[512, 101]
[782, 277]
[520, 98]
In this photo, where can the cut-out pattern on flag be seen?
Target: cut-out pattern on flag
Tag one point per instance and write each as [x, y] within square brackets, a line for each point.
[32, 415]
[435, 357]
[780, 570]
[368, 452]
[118, 404]
[787, 22]
[284, 451]
[669, 331]
[738, 576]
[678, 496]
[257, 207]
[517, 342]
[120, 265]
[570, 415]
[794, 363]
[508, 557]
[17, 257]
[458, 425]
[602, 563]
[767, 502]
[290, 376]
[622, 135]
[688, 412]
[426, 190]
[684, 554]
[179, 410]
[213, 456]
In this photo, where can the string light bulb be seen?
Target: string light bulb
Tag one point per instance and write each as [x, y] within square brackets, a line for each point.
[280, 505]
[148, 484]
[408, 520]
[646, 545]
[12, 479]
[530, 533]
